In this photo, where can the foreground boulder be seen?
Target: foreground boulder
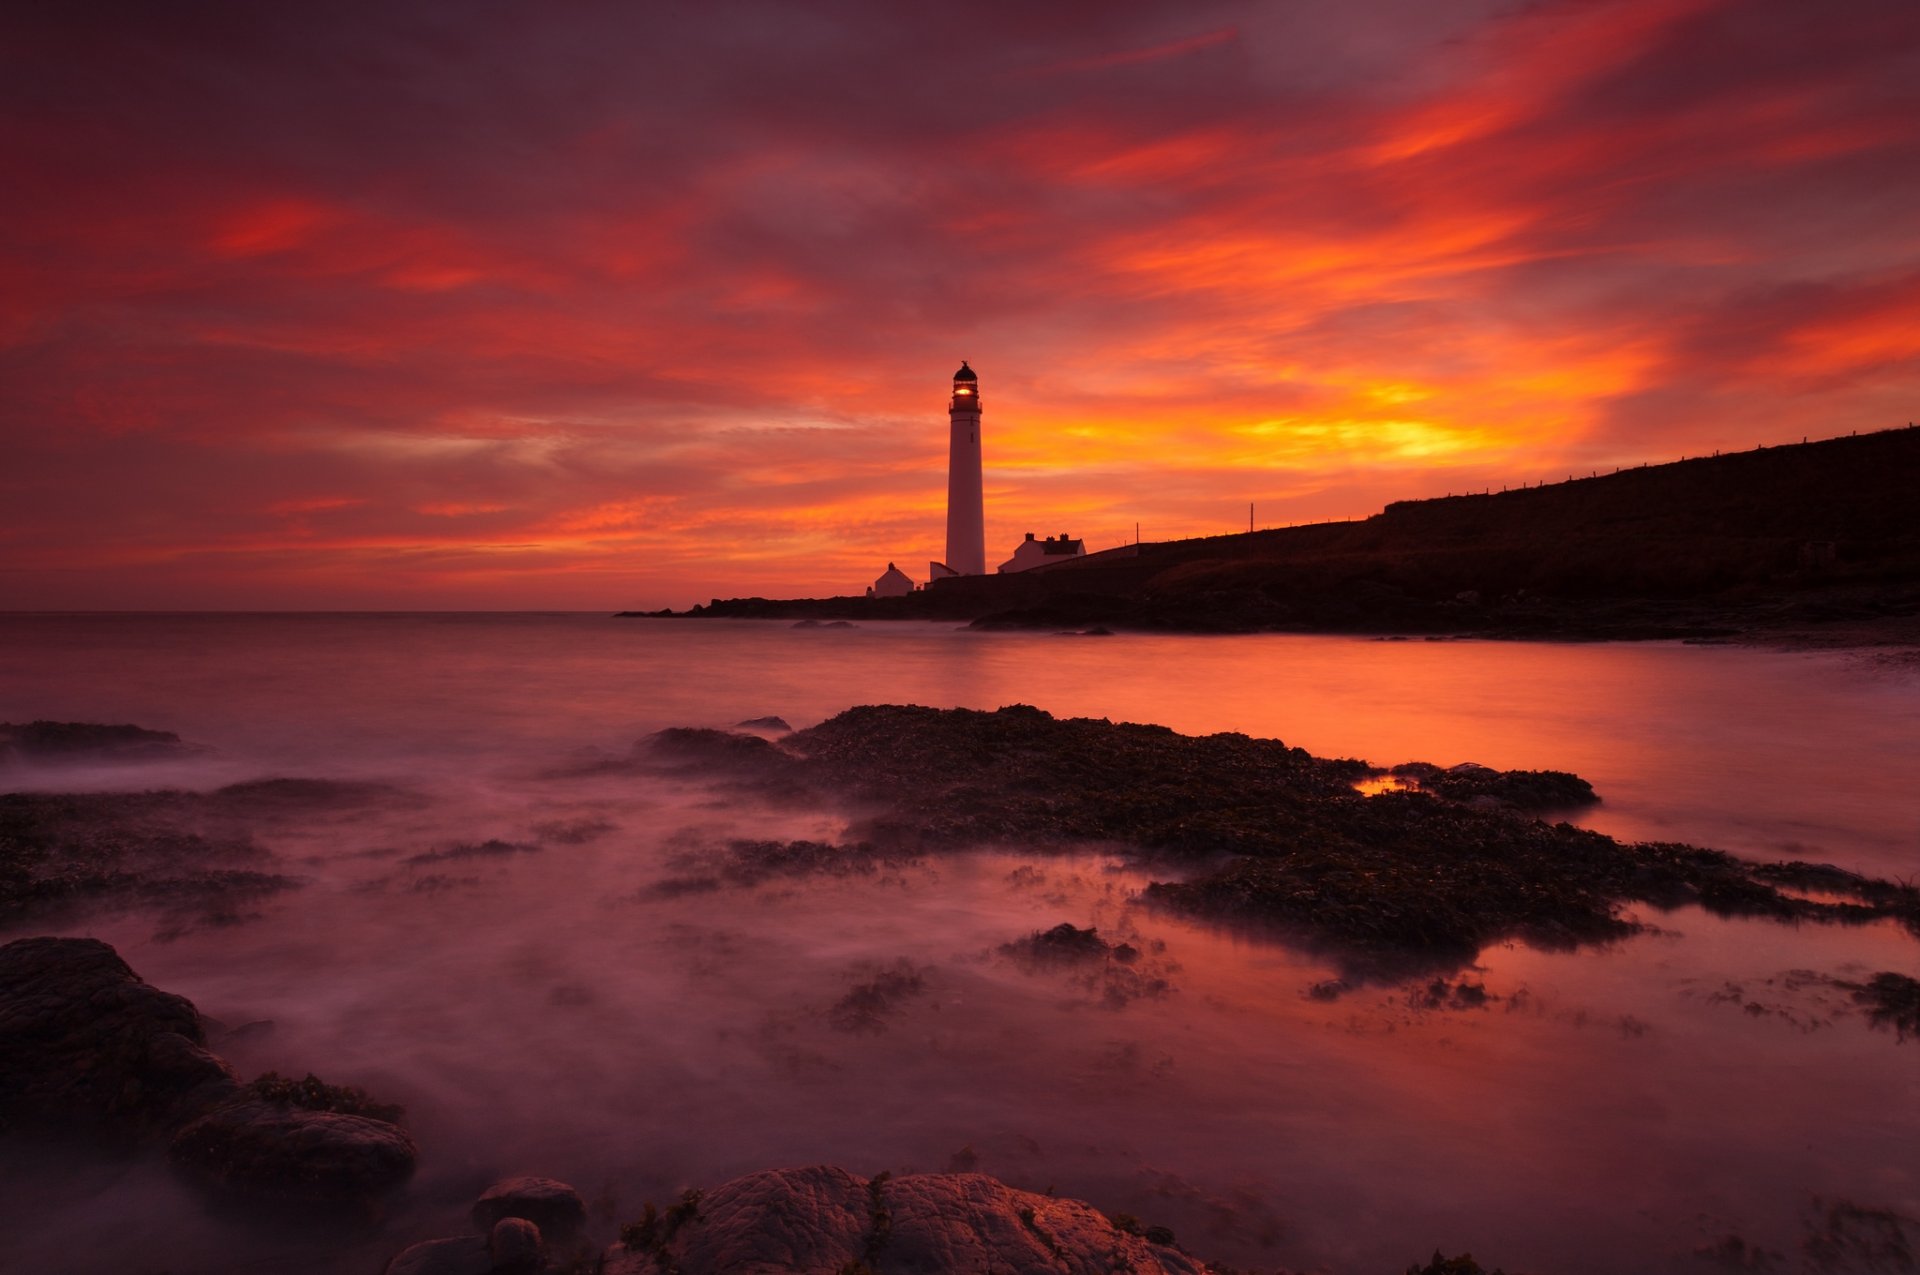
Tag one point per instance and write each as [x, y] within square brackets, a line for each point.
[554, 1207]
[823, 1220]
[274, 1151]
[87, 1044]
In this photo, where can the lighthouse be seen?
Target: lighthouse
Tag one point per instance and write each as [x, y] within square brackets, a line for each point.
[966, 505]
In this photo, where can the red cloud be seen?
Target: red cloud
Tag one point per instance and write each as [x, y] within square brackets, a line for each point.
[661, 307]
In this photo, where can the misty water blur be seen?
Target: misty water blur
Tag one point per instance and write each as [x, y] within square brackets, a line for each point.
[543, 1010]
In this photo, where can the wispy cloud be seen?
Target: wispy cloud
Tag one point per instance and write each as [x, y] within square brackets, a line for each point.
[411, 303]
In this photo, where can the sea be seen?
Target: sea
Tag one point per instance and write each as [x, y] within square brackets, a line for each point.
[1703, 1096]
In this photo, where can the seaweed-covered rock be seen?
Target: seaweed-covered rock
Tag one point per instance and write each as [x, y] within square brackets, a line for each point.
[1263, 834]
[86, 1043]
[63, 851]
[277, 1151]
[310, 1093]
[1064, 944]
[1440, 1265]
[751, 863]
[1512, 789]
[824, 1220]
[554, 1207]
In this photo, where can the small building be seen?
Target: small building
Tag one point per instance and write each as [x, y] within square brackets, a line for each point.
[1038, 553]
[894, 583]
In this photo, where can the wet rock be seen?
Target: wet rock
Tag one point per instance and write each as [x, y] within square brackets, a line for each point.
[269, 1150]
[282, 795]
[516, 1246]
[869, 1005]
[60, 852]
[466, 1255]
[823, 1219]
[1440, 1265]
[86, 1043]
[1113, 974]
[554, 1207]
[752, 863]
[765, 723]
[493, 848]
[58, 741]
[1440, 994]
[682, 746]
[1474, 784]
[1064, 944]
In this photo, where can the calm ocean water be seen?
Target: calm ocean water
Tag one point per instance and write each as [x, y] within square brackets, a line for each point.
[1607, 1110]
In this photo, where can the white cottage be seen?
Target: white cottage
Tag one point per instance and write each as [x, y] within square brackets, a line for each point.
[1037, 553]
[895, 583]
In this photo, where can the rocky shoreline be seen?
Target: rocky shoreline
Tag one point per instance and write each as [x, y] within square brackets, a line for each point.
[1874, 623]
[1396, 875]
[89, 1050]
[1419, 876]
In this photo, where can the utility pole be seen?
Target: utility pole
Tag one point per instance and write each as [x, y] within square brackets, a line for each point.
[1249, 517]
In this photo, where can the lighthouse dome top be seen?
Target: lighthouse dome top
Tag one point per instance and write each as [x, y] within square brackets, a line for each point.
[965, 373]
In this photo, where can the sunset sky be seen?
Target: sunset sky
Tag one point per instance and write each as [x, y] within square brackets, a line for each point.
[500, 305]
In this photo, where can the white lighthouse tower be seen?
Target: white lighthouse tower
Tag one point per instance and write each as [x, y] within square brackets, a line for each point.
[966, 503]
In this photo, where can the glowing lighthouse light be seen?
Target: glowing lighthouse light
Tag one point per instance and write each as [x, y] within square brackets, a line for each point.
[966, 512]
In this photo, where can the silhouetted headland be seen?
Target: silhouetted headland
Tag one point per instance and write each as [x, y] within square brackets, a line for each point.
[1814, 543]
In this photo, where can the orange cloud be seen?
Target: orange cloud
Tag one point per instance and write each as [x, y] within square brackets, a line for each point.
[670, 314]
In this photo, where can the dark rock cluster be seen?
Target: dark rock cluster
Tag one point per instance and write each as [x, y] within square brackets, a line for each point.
[191, 855]
[89, 1049]
[752, 863]
[1528, 790]
[66, 741]
[1266, 834]
[85, 1044]
[1064, 944]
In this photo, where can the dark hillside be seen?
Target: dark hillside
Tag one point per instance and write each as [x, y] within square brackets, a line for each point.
[1816, 533]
